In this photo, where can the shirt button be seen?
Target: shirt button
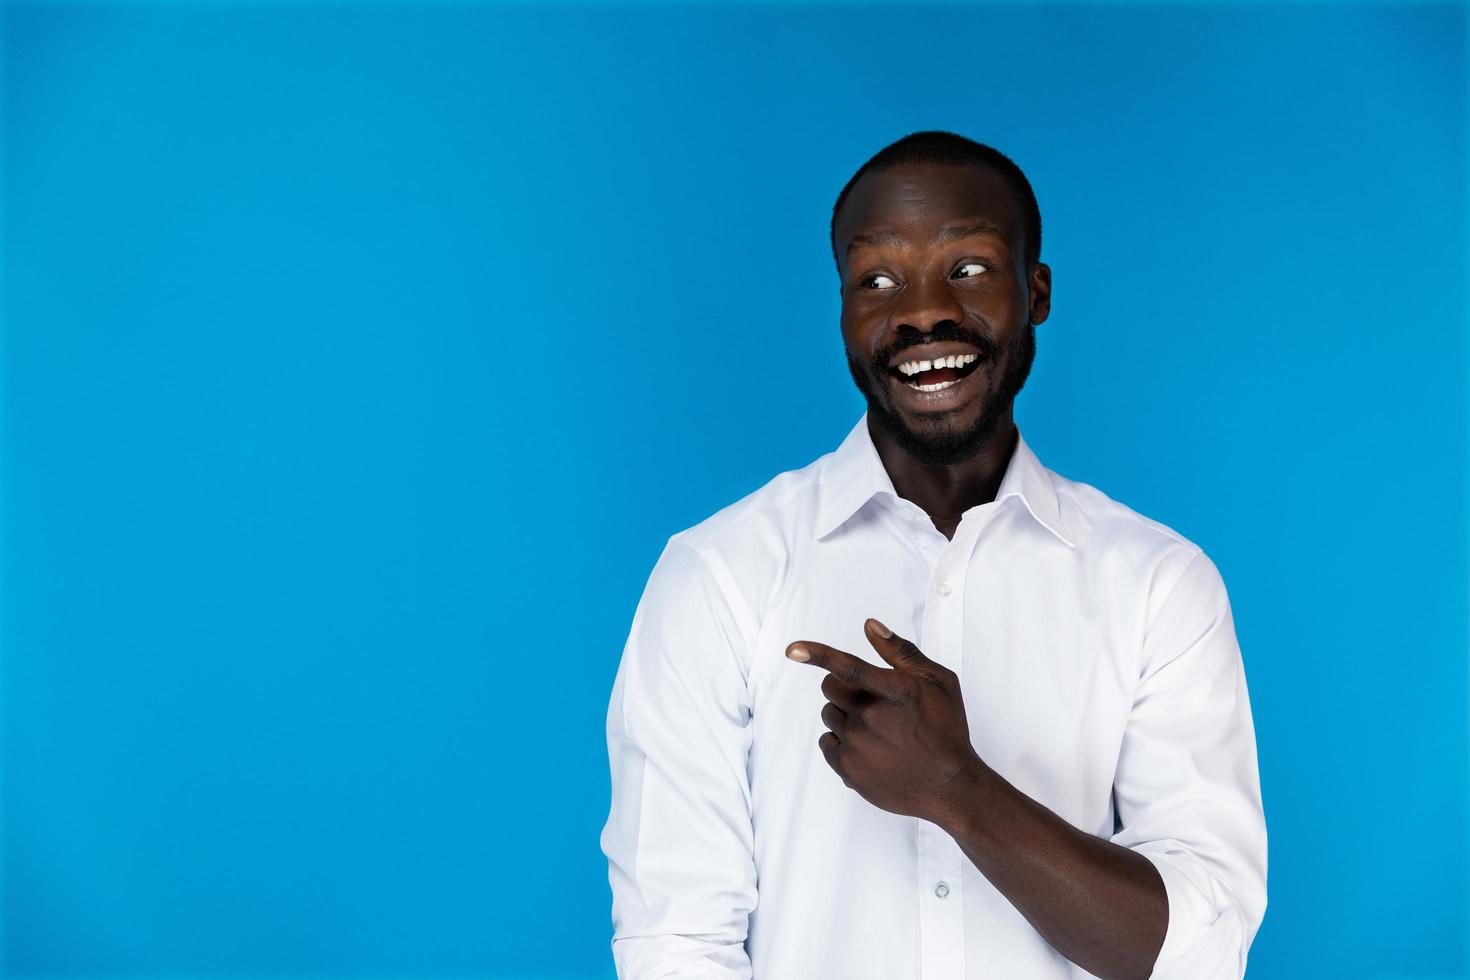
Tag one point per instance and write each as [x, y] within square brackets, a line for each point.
[941, 889]
[944, 588]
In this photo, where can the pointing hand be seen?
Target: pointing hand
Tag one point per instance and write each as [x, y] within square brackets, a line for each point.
[899, 737]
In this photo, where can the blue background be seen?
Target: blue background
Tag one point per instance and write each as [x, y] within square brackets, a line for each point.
[358, 361]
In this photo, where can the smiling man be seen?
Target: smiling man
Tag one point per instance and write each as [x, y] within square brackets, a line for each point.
[924, 708]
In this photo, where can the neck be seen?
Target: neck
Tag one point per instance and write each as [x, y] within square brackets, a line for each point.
[945, 491]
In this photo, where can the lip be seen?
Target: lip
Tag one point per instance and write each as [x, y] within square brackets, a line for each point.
[937, 401]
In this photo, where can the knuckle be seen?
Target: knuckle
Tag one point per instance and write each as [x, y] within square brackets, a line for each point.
[829, 686]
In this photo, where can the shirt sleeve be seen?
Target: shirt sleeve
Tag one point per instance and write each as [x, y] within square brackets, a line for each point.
[679, 838]
[1187, 789]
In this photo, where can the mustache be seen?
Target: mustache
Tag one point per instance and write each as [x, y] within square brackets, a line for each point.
[986, 347]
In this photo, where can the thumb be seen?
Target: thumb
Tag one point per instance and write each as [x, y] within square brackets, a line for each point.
[896, 650]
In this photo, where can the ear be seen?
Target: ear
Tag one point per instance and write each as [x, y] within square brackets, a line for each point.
[1040, 288]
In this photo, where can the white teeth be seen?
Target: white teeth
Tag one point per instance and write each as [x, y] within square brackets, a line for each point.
[912, 368]
[939, 387]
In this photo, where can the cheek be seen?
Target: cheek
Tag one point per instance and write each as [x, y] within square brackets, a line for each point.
[994, 306]
[858, 333]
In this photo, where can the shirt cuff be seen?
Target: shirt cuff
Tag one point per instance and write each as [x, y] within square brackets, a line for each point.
[1203, 939]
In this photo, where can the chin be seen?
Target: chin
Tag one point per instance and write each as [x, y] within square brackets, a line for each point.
[939, 438]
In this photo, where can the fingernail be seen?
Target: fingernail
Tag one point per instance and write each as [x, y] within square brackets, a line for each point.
[880, 629]
[797, 653]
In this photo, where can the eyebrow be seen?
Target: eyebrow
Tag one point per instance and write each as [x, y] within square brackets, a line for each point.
[950, 234]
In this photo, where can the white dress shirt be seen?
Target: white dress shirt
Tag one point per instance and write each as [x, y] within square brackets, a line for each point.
[1101, 674]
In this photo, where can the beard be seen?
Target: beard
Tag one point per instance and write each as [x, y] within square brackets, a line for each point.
[942, 443]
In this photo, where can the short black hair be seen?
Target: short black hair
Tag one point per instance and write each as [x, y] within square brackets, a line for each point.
[938, 146]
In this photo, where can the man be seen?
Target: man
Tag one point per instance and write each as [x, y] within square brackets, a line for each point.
[925, 708]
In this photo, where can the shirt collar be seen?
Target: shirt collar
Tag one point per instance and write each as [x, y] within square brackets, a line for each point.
[853, 474]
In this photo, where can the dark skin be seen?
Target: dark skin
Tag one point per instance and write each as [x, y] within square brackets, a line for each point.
[899, 737]
[903, 292]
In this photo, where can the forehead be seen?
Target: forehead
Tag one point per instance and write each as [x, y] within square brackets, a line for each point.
[916, 200]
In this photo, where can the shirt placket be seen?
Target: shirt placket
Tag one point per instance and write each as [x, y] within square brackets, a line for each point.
[941, 862]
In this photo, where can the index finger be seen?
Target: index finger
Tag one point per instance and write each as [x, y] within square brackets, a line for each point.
[844, 666]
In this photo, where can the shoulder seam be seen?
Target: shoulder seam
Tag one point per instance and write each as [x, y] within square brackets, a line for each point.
[1174, 587]
[1162, 606]
[778, 502]
[726, 581]
[1132, 515]
[1184, 570]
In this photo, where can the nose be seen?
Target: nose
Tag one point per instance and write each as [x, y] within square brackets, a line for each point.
[927, 303]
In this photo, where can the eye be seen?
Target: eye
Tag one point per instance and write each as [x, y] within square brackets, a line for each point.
[972, 265]
[878, 278]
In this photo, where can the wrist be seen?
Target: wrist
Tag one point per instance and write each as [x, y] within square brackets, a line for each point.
[965, 809]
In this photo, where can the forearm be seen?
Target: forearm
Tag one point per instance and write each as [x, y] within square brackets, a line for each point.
[1097, 903]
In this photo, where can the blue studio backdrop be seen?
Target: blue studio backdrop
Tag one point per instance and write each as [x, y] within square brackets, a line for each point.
[358, 360]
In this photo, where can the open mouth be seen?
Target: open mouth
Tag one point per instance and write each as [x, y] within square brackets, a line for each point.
[934, 376]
